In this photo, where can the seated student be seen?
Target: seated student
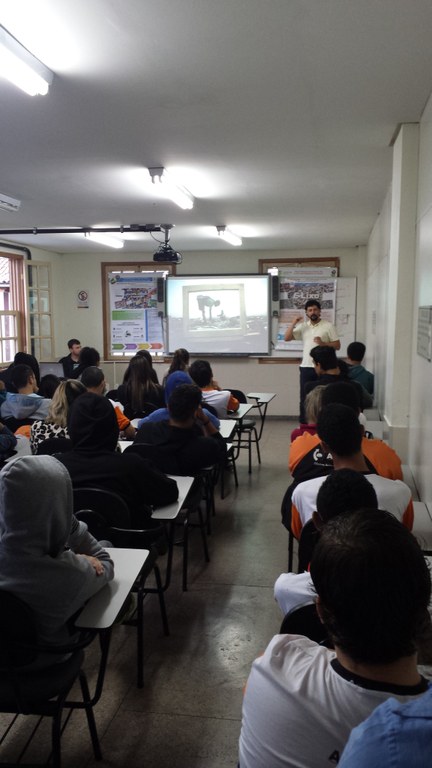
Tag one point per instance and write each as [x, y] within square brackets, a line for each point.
[162, 414]
[21, 358]
[356, 372]
[55, 424]
[221, 399]
[138, 390]
[185, 444]
[340, 434]
[343, 491]
[71, 361]
[88, 356]
[306, 460]
[36, 528]
[395, 735]
[180, 362]
[26, 405]
[302, 699]
[331, 370]
[48, 385]
[312, 408]
[94, 432]
[149, 357]
[93, 379]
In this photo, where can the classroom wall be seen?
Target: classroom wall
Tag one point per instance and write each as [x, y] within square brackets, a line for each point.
[81, 271]
[420, 443]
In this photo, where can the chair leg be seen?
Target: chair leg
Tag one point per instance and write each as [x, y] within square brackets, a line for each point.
[56, 738]
[257, 446]
[140, 637]
[90, 716]
[203, 534]
[161, 596]
[185, 550]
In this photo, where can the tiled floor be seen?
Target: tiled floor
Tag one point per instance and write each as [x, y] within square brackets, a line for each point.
[188, 713]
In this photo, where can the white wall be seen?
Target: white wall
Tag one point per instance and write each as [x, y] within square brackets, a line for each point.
[420, 443]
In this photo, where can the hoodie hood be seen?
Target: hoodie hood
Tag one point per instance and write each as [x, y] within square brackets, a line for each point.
[174, 380]
[35, 506]
[92, 424]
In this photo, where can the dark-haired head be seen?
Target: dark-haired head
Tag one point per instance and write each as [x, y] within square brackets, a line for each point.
[343, 491]
[184, 401]
[373, 586]
[342, 392]
[180, 361]
[21, 375]
[48, 385]
[92, 377]
[88, 356]
[339, 430]
[356, 351]
[325, 357]
[201, 372]
[312, 303]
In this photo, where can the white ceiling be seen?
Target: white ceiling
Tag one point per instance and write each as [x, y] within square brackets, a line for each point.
[277, 115]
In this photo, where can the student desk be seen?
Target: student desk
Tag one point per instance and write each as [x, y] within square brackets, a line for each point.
[101, 611]
[168, 515]
[262, 400]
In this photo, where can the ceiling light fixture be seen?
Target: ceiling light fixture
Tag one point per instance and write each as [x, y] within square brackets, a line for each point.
[179, 195]
[102, 239]
[228, 236]
[21, 68]
[9, 204]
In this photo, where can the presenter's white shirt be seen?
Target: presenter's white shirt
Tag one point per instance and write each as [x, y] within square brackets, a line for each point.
[307, 332]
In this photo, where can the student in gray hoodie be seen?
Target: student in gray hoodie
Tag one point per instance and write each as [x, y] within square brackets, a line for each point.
[47, 558]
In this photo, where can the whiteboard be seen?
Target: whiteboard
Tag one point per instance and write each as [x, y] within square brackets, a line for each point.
[346, 307]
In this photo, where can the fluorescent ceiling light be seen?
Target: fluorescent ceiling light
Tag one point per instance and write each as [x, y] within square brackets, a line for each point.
[179, 195]
[21, 68]
[102, 239]
[9, 203]
[228, 236]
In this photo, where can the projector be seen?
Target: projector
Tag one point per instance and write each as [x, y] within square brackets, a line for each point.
[166, 253]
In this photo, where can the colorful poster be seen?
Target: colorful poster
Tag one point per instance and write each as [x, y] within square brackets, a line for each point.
[135, 321]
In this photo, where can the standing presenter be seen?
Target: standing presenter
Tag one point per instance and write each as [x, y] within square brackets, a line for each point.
[312, 332]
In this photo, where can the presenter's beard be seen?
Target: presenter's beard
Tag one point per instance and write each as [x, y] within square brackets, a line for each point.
[314, 318]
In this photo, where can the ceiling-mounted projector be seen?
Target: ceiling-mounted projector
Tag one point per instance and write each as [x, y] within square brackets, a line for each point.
[165, 252]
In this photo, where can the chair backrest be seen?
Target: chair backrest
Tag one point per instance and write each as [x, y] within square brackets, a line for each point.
[305, 621]
[238, 394]
[308, 540]
[210, 408]
[109, 505]
[53, 445]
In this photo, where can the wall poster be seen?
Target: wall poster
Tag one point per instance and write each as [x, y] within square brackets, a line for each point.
[298, 285]
[135, 321]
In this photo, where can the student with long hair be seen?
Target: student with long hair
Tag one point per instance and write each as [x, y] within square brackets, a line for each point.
[139, 394]
[55, 425]
[180, 362]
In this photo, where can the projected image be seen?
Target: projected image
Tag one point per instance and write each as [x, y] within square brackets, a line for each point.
[222, 308]
[219, 315]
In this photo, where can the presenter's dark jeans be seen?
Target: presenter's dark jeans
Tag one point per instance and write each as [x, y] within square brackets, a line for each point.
[306, 375]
